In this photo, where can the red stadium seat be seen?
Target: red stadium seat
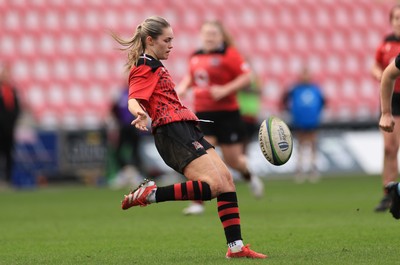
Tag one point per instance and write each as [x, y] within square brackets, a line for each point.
[61, 50]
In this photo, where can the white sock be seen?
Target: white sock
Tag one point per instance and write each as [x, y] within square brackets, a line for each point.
[151, 198]
[235, 246]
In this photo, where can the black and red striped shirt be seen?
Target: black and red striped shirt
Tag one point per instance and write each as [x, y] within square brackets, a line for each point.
[151, 84]
[387, 52]
[215, 68]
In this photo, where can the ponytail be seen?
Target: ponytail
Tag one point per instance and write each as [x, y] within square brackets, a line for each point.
[136, 46]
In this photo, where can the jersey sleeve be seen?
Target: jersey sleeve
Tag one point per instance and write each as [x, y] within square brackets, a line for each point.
[142, 82]
[235, 62]
[379, 55]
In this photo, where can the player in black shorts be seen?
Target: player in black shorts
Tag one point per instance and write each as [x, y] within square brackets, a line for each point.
[216, 73]
[178, 140]
[227, 126]
[173, 140]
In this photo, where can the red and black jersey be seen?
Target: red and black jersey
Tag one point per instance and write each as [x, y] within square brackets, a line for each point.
[9, 106]
[387, 52]
[215, 68]
[151, 84]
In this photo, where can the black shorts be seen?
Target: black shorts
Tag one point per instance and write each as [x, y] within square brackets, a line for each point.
[396, 104]
[179, 143]
[228, 126]
[251, 128]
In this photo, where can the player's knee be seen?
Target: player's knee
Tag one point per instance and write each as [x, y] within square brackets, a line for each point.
[212, 183]
[225, 183]
[228, 185]
[237, 162]
[232, 161]
[391, 150]
[220, 184]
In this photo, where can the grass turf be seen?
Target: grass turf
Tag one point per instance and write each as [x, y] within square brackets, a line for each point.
[331, 222]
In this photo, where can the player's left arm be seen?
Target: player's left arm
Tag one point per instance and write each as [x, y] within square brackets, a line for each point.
[220, 91]
[389, 76]
[239, 69]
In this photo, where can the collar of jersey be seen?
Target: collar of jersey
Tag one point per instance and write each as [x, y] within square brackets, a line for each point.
[147, 57]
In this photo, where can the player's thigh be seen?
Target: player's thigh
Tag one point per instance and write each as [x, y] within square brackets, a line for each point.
[233, 154]
[397, 125]
[392, 140]
[211, 169]
[211, 139]
[313, 139]
[311, 136]
[223, 171]
[300, 136]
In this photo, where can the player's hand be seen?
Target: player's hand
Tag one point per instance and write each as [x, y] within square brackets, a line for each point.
[386, 122]
[218, 92]
[141, 121]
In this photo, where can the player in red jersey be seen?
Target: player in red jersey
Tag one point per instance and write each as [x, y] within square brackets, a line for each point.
[386, 53]
[388, 124]
[10, 110]
[216, 72]
[179, 141]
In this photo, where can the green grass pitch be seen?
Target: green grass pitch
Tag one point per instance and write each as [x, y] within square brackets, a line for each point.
[331, 222]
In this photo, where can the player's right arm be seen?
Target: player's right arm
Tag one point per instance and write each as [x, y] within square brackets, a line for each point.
[142, 82]
[141, 117]
[389, 76]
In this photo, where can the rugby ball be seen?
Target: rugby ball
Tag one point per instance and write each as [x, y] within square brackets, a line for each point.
[276, 141]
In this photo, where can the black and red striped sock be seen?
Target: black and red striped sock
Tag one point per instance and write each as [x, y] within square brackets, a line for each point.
[228, 212]
[190, 190]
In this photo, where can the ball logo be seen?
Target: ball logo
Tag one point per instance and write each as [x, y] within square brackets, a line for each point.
[281, 133]
[283, 146]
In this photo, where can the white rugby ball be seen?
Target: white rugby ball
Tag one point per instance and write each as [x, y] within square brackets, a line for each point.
[276, 141]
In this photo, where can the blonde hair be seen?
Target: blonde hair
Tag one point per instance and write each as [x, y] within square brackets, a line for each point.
[152, 26]
[228, 40]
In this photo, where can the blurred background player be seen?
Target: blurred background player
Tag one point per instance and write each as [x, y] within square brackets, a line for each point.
[249, 99]
[385, 53]
[178, 139]
[305, 103]
[388, 124]
[9, 113]
[216, 73]
[129, 161]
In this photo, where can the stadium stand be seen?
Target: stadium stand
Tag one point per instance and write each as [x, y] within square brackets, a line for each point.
[69, 68]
